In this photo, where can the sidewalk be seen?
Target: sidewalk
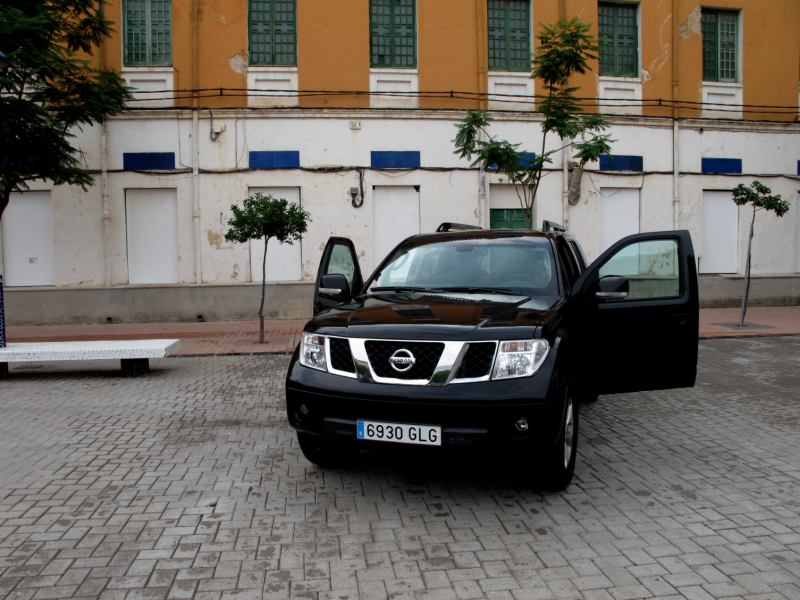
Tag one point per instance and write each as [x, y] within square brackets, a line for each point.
[241, 337]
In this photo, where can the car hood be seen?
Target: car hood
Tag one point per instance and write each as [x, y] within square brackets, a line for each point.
[436, 316]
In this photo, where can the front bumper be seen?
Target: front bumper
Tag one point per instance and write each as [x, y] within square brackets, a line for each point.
[478, 414]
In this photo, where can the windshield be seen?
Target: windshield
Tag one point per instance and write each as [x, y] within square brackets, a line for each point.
[519, 265]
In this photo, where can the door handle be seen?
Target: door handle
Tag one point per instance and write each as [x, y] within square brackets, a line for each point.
[680, 319]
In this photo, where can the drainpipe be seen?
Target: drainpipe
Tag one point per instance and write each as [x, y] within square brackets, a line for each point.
[106, 215]
[676, 163]
[198, 265]
[483, 104]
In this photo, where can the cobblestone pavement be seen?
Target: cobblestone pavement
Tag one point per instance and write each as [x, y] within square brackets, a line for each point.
[188, 483]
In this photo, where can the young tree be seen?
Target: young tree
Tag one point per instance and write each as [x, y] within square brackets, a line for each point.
[265, 217]
[48, 90]
[759, 196]
[563, 51]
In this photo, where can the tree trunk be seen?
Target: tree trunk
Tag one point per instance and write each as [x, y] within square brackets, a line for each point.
[5, 196]
[747, 271]
[528, 216]
[263, 291]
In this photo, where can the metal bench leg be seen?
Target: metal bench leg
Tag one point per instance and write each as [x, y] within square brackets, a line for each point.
[133, 367]
[3, 370]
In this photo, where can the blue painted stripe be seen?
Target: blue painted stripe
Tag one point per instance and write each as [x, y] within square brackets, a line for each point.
[722, 165]
[395, 160]
[142, 161]
[620, 162]
[282, 159]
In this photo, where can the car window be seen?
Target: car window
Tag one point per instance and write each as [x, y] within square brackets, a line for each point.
[524, 265]
[651, 267]
[341, 263]
[568, 260]
[578, 255]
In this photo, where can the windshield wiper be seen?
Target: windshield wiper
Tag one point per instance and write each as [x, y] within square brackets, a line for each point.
[484, 290]
[404, 288]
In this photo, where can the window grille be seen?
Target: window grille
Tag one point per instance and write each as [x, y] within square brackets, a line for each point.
[509, 35]
[273, 32]
[719, 45]
[393, 33]
[619, 40]
[148, 33]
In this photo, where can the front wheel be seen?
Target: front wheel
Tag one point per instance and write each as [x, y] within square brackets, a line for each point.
[322, 453]
[559, 465]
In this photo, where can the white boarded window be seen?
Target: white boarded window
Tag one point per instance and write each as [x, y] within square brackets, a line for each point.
[720, 233]
[284, 261]
[619, 215]
[27, 226]
[395, 217]
[151, 219]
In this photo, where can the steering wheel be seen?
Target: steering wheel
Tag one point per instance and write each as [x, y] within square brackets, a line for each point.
[526, 281]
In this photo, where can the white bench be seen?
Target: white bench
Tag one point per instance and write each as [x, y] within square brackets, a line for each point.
[134, 355]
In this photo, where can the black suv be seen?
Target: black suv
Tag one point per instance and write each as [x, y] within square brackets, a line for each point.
[474, 338]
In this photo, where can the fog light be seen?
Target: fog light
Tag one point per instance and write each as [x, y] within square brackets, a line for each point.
[304, 410]
[521, 425]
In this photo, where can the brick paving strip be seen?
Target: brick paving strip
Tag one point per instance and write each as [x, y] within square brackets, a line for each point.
[241, 337]
[188, 483]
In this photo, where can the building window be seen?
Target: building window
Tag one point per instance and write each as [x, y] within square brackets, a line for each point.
[719, 45]
[148, 33]
[509, 35]
[619, 40]
[393, 33]
[273, 33]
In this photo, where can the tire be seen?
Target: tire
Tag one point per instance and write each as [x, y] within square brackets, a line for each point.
[559, 465]
[323, 453]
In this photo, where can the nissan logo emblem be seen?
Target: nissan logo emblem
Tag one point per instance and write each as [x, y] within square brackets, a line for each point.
[402, 360]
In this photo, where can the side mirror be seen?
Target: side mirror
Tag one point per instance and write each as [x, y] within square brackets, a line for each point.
[613, 287]
[335, 287]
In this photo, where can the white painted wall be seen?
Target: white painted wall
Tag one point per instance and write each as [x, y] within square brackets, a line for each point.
[720, 233]
[325, 139]
[396, 217]
[152, 234]
[27, 226]
[619, 215]
[284, 261]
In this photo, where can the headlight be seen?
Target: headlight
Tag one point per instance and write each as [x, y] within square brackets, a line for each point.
[312, 351]
[520, 359]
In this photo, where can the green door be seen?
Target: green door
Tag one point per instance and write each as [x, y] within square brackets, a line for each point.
[507, 218]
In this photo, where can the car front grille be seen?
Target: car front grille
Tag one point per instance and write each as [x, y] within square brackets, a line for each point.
[341, 357]
[477, 361]
[426, 355]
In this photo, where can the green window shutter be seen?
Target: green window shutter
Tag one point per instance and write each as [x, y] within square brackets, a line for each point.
[719, 45]
[605, 21]
[135, 32]
[506, 218]
[393, 33]
[727, 46]
[284, 33]
[260, 32]
[509, 35]
[148, 33]
[160, 33]
[273, 32]
[619, 43]
[708, 21]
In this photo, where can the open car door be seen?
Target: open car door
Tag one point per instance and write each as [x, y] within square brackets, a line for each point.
[338, 258]
[638, 314]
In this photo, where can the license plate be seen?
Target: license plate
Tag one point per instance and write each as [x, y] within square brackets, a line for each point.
[426, 435]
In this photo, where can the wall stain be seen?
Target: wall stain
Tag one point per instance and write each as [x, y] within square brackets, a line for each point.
[238, 63]
[215, 240]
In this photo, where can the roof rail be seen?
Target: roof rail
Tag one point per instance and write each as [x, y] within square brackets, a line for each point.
[550, 226]
[455, 226]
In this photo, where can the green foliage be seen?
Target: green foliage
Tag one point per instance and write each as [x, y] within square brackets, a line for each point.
[759, 196]
[563, 51]
[50, 89]
[267, 217]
